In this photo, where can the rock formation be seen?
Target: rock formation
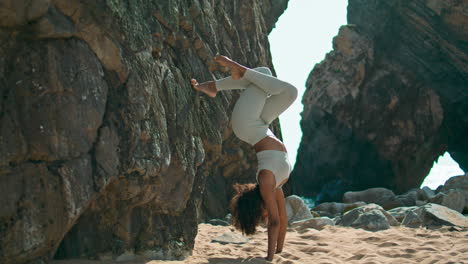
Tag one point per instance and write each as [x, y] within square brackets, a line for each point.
[105, 149]
[387, 101]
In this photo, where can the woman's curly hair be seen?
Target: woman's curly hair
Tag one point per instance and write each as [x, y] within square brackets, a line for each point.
[247, 208]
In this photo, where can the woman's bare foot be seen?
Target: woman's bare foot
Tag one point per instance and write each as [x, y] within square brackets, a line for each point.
[208, 88]
[237, 70]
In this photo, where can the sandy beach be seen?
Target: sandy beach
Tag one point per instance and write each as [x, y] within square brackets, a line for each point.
[333, 244]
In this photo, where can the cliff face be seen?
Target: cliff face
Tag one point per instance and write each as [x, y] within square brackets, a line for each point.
[105, 148]
[388, 100]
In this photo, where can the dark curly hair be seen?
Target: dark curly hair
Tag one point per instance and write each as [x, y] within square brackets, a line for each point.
[247, 208]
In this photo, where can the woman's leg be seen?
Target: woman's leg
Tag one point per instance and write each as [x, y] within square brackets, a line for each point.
[282, 93]
[246, 121]
[229, 83]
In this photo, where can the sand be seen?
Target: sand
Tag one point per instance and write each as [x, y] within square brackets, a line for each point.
[331, 245]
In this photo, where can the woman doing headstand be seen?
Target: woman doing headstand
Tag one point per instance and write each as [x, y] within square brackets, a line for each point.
[264, 98]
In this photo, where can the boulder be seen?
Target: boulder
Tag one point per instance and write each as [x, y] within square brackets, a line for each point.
[412, 220]
[451, 198]
[316, 223]
[409, 198]
[332, 209]
[434, 215]
[399, 213]
[459, 183]
[296, 209]
[381, 196]
[373, 220]
[425, 193]
[350, 218]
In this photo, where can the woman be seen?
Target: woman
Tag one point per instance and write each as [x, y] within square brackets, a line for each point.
[264, 98]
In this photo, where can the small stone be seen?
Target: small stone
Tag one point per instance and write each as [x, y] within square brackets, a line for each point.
[230, 238]
[316, 223]
[218, 222]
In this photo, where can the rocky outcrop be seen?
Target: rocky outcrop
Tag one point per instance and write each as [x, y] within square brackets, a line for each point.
[387, 101]
[371, 217]
[460, 184]
[105, 149]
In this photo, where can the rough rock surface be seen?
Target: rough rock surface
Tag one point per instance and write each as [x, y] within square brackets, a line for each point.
[434, 215]
[316, 223]
[373, 220]
[400, 213]
[412, 220]
[352, 216]
[296, 209]
[459, 183]
[104, 147]
[452, 199]
[387, 101]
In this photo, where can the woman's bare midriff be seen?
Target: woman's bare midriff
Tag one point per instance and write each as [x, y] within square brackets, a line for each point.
[269, 143]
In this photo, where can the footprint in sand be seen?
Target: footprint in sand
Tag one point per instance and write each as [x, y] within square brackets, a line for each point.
[412, 240]
[410, 251]
[249, 249]
[426, 248]
[312, 250]
[289, 256]
[356, 257]
[311, 237]
[429, 236]
[437, 243]
[298, 243]
[388, 244]
[371, 239]
[394, 254]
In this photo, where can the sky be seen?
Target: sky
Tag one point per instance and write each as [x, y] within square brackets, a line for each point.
[301, 38]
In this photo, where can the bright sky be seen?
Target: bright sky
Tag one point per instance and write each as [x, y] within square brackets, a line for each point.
[302, 37]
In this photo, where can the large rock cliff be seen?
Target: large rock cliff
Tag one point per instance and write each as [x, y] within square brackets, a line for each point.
[105, 149]
[388, 100]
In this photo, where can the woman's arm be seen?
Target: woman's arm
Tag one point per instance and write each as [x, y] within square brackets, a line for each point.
[283, 219]
[266, 180]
